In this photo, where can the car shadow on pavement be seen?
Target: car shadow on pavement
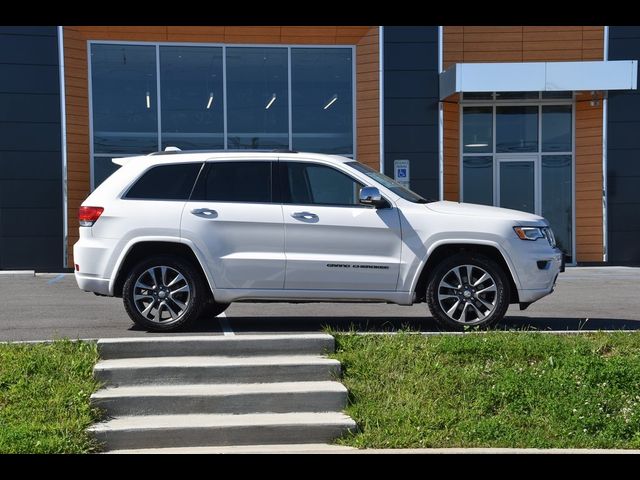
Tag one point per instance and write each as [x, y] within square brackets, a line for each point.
[294, 324]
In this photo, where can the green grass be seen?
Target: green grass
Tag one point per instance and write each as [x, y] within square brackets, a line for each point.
[497, 389]
[44, 397]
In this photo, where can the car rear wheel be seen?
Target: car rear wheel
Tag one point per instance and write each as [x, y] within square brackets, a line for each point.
[163, 293]
[468, 290]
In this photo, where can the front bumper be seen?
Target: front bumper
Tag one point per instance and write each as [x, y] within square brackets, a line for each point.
[538, 276]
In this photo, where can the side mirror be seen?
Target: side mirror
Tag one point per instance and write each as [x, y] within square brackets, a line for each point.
[371, 196]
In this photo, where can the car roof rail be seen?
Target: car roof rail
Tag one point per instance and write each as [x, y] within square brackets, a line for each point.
[174, 150]
[283, 150]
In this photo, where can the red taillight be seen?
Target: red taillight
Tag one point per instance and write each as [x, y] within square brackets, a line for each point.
[88, 215]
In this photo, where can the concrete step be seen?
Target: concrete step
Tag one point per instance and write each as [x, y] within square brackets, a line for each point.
[162, 431]
[200, 370]
[238, 345]
[305, 448]
[222, 398]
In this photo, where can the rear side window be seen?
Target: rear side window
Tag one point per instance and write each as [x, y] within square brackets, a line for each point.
[235, 182]
[166, 182]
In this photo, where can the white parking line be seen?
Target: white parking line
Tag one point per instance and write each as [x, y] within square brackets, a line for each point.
[224, 323]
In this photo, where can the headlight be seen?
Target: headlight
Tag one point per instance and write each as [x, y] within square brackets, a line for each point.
[529, 233]
[534, 233]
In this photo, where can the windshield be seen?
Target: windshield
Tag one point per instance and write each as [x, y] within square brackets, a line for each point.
[389, 183]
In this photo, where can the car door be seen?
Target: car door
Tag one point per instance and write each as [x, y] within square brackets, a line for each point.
[332, 242]
[233, 221]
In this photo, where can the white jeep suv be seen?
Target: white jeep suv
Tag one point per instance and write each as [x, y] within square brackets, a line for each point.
[179, 235]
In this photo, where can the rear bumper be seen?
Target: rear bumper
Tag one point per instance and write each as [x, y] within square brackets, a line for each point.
[93, 284]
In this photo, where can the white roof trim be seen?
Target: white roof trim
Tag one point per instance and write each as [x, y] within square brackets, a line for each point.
[539, 76]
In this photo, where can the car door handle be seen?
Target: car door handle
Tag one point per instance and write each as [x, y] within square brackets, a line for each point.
[204, 212]
[304, 215]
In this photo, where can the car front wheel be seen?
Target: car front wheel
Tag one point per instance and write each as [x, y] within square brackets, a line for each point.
[468, 290]
[163, 293]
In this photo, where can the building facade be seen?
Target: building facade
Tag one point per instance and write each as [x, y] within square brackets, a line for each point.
[540, 119]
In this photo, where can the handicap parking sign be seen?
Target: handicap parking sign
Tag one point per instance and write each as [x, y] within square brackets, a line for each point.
[401, 172]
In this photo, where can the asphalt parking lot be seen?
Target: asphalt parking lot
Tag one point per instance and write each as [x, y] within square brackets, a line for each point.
[48, 306]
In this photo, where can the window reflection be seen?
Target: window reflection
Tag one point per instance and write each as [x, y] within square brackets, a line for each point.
[257, 96]
[516, 129]
[517, 186]
[478, 126]
[556, 128]
[192, 97]
[322, 101]
[557, 198]
[478, 180]
[124, 98]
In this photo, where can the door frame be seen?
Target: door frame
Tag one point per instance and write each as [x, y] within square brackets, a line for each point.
[537, 177]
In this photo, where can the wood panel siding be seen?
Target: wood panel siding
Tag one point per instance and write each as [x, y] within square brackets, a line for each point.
[367, 97]
[365, 38]
[588, 201]
[522, 44]
[468, 44]
[451, 117]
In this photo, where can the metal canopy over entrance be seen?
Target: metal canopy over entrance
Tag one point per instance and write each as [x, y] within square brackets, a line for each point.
[539, 77]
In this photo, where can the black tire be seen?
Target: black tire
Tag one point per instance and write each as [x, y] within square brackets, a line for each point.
[445, 271]
[197, 291]
[212, 309]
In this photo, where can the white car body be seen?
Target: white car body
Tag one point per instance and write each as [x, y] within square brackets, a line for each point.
[278, 252]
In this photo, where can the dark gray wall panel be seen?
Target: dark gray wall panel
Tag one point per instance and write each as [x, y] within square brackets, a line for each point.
[29, 193]
[31, 79]
[22, 107]
[411, 34]
[410, 84]
[411, 138]
[409, 56]
[41, 165]
[622, 162]
[29, 222]
[623, 155]
[29, 50]
[37, 30]
[411, 104]
[35, 136]
[30, 253]
[411, 111]
[31, 229]
[623, 32]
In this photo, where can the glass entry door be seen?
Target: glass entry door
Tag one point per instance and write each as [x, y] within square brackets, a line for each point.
[517, 183]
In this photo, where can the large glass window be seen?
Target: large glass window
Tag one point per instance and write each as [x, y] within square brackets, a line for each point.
[556, 128]
[257, 96]
[557, 197]
[196, 97]
[124, 99]
[516, 129]
[478, 130]
[235, 182]
[192, 97]
[322, 100]
[478, 180]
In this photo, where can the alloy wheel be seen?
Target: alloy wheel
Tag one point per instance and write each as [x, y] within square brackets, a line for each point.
[161, 294]
[467, 294]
